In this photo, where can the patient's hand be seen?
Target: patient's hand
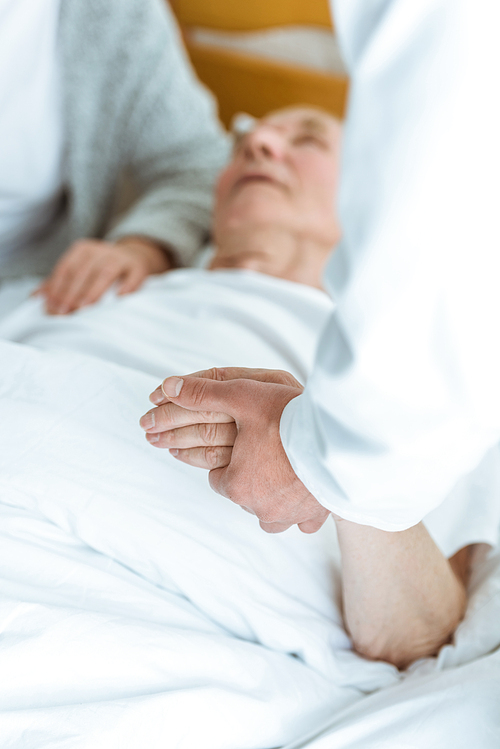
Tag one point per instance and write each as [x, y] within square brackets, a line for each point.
[227, 420]
[90, 267]
[402, 598]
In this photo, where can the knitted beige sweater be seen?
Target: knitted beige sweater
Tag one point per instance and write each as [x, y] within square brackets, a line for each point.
[130, 103]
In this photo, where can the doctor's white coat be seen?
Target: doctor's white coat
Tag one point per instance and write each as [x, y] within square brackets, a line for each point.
[404, 399]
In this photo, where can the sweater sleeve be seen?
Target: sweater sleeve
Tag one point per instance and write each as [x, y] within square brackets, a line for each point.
[176, 144]
[404, 398]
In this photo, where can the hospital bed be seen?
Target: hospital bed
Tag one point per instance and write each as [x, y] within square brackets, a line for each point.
[454, 700]
[108, 640]
[238, 51]
[140, 609]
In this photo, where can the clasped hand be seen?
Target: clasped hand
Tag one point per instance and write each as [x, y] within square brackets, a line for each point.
[227, 421]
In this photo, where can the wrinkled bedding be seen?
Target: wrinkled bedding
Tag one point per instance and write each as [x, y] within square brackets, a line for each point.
[137, 607]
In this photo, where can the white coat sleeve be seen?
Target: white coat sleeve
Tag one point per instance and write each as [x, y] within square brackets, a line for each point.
[404, 398]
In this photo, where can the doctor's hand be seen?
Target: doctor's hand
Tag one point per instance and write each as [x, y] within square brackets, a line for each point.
[227, 420]
[91, 266]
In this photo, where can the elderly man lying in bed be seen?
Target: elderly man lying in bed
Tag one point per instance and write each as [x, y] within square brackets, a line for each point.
[139, 608]
[117, 562]
[274, 214]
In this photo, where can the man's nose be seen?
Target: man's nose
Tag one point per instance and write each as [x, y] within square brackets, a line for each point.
[265, 141]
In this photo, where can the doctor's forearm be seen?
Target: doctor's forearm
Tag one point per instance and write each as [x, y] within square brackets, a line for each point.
[402, 600]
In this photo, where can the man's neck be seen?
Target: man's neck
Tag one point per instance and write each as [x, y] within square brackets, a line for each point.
[273, 251]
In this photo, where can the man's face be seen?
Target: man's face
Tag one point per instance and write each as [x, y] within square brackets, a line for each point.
[283, 174]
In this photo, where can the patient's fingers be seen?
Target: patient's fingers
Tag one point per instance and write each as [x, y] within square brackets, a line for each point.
[170, 416]
[308, 526]
[278, 376]
[274, 527]
[204, 457]
[313, 525]
[197, 435]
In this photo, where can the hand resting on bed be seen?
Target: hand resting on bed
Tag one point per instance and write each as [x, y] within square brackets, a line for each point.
[91, 266]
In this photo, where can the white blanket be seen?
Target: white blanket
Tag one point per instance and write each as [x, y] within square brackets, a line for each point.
[140, 609]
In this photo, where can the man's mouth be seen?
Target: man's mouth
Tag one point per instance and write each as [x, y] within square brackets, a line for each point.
[256, 178]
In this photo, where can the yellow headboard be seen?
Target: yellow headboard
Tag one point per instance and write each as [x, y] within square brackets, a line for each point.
[246, 83]
[234, 15]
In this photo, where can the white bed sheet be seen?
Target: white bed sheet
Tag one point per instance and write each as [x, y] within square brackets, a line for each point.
[139, 609]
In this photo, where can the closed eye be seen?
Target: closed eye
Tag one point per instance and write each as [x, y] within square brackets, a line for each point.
[309, 139]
